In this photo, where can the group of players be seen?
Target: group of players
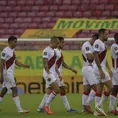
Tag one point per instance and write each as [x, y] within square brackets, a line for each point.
[95, 76]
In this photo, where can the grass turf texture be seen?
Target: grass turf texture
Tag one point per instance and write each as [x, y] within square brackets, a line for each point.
[31, 102]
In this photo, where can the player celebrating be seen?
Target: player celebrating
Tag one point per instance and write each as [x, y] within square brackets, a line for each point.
[59, 63]
[49, 73]
[89, 79]
[102, 76]
[8, 61]
[114, 55]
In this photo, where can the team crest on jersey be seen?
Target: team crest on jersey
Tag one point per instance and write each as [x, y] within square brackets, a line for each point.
[45, 53]
[49, 79]
[3, 54]
[96, 46]
[87, 48]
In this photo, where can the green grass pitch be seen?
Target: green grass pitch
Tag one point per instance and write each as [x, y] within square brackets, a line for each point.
[31, 101]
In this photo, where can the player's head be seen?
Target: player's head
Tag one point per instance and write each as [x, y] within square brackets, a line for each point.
[94, 37]
[12, 41]
[54, 42]
[61, 42]
[116, 37]
[103, 34]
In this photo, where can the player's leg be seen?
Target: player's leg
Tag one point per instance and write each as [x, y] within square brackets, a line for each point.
[52, 82]
[113, 99]
[40, 107]
[85, 96]
[114, 92]
[16, 100]
[65, 100]
[3, 92]
[104, 97]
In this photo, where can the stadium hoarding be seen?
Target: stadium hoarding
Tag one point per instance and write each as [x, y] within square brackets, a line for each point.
[31, 80]
[91, 24]
[47, 33]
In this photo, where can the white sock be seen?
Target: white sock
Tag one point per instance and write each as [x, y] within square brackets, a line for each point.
[84, 98]
[65, 102]
[103, 99]
[17, 102]
[43, 101]
[91, 97]
[117, 108]
[112, 102]
[50, 98]
[1, 99]
[97, 99]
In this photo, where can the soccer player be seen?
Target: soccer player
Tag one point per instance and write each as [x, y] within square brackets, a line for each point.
[89, 79]
[59, 63]
[100, 66]
[114, 55]
[49, 73]
[8, 61]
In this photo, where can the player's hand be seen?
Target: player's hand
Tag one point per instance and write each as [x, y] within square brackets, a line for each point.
[102, 74]
[27, 66]
[75, 71]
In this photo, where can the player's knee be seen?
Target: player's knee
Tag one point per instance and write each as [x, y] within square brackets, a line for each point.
[62, 91]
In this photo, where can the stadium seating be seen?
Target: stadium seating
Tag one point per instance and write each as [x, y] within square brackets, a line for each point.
[18, 15]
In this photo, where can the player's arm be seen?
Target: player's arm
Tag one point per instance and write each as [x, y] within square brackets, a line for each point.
[96, 58]
[89, 54]
[21, 64]
[57, 71]
[1, 70]
[2, 63]
[68, 67]
[109, 69]
[45, 64]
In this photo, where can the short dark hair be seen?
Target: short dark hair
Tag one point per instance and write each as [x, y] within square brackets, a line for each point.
[116, 36]
[53, 38]
[101, 31]
[95, 36]
[11, 38]
[60, 38]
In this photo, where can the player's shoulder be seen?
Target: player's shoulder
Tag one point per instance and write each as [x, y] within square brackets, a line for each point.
[47, 48]
[98, 41]
[86, 44]
[6, 49]
[114, 45]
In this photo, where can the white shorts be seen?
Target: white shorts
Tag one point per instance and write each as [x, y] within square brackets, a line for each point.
[52, 79]
[97, 74]
[88, 75]
[115, 76]
[9, 81]
[60, 83]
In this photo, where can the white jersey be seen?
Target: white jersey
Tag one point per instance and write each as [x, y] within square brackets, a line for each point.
[49, 54]
[114, 55]
[86, 48]
[59, 59]
[9, 56]
[100, 47]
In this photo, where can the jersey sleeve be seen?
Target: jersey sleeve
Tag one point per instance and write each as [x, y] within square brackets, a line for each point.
[115, 49]
[45, 53]
[4, 55]
[87, 49]
[96, 46]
